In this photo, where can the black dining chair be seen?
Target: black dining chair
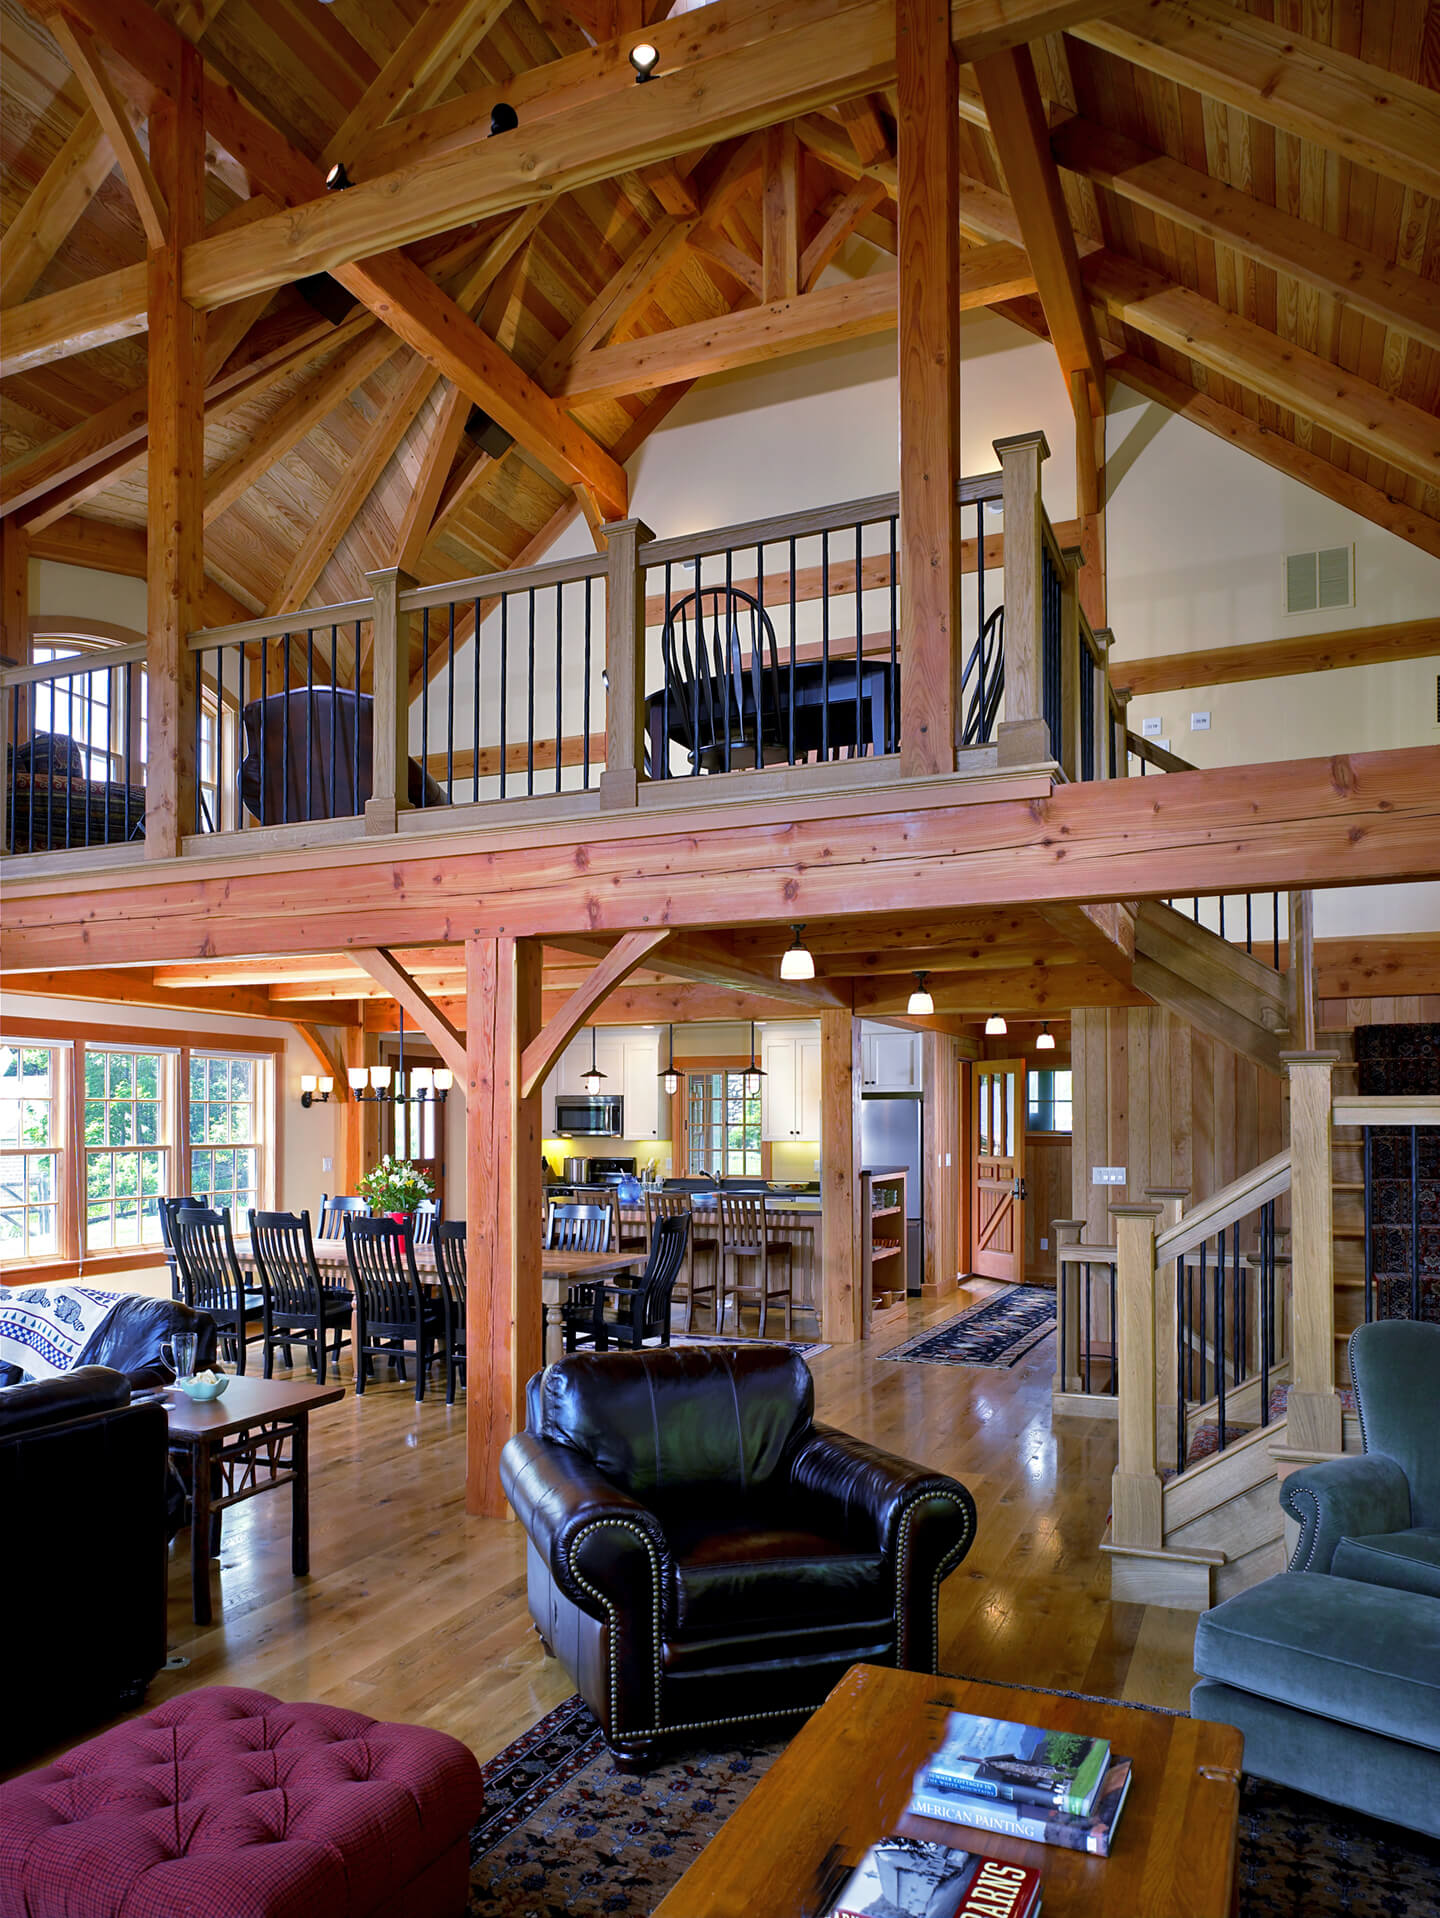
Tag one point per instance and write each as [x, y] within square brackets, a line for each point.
[427, 1217]
[450, 1266]
[299, 1304]
[722, 698]
[392, 1308]
[166, 1207]
[333, 1212]
[642, 1313]
[579, 1228]
[212, 1281]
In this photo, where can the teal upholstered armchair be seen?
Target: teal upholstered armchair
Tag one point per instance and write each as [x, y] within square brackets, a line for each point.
[1375, 1516]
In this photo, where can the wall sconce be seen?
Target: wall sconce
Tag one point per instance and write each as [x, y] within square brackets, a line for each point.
[644, 58]
[313, 1089]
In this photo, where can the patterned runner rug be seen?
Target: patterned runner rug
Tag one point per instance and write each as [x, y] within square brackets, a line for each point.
[999, 1331]
[564, 1832]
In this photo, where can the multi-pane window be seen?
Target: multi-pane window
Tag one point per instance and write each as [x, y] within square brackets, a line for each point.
[723, 1126]
[127, 1147]
[29, 1151]
[225, 1131]
[79, 707]
[1049, 1106]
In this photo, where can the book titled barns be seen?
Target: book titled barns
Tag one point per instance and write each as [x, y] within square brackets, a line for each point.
[916, 1878]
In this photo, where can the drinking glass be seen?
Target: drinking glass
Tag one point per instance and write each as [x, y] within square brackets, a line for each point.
[179, 1355]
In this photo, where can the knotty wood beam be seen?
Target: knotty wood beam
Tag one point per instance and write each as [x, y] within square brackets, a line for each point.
[175, 489]
[60, 196]
[110, 110]
[710, 959]
[1298, 462]
[1021, 134]
[57, 325]
[1036, 989]
[929, 326]
[385, 969]
[836, 229]
[617, 965]
[136, 986]
[981, 27]
[780, 216]
[447, 429]
[419, 70]
[1379, 423]
[866, 130]
[1278, 658]
[1102, 935]
[1364, 113]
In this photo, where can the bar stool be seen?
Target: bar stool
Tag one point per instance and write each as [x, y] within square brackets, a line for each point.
[745, 1237]
[674, 1205]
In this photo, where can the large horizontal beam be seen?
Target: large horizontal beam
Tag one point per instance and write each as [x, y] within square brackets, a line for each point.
[1278, 658]
[952, 843]
[134, 986]
[1036, 989]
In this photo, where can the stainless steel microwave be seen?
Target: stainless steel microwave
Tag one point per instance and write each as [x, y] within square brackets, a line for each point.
[583, 1116]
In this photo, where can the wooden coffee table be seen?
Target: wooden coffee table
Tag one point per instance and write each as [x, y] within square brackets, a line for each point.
[846, 1779]
[246, 1434]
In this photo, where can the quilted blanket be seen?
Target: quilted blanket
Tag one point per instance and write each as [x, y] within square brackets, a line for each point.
[45, 1328]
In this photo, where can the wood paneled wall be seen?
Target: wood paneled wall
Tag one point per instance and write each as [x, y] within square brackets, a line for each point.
[1171, 1105]
[1047, 1195]
[946, 1193]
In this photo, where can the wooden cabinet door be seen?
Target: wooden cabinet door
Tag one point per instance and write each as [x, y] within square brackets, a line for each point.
[998, 1213]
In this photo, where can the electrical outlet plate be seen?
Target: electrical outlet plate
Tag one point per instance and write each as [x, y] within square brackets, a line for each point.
[1199, 722]
[1044, 1245]
[1107, 1175]
[1150, 728]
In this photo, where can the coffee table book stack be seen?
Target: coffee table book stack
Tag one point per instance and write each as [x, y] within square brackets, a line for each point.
[1047, 1787]
[912, 1878]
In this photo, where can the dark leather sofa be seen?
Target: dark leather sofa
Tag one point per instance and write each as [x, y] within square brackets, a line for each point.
[82, 1605]
[133, 1336]
[703, 1555]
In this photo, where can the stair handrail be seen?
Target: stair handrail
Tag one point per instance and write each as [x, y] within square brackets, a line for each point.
[1386, 1108]
[1231, 1203]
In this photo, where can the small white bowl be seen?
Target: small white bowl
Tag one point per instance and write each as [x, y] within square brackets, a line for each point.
[204, 1388]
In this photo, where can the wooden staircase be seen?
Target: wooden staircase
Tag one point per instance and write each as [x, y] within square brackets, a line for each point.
[1217, 986]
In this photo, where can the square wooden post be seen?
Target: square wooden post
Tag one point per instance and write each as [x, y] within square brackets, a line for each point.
[1171, 1200]
[624, 663]
[1137, 1513]
[390, 652]
[1104, 639]
[1073, 661]
[1314, 1412]
[175, 508]
[504, 1194]
[929, 345]
[842, 1303]
[1067, 1297]
[1301, 962]
[1022, 738]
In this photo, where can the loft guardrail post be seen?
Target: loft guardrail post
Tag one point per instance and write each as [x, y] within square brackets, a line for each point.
[1022, 737]
[1136, 1497]
[390, 652]
[1121, 723]
[624, 663]
[1301, 982]
[1315, 1419]
[1169, 1411]
[1104, 640]
[1067, 1294]
[1074, 659]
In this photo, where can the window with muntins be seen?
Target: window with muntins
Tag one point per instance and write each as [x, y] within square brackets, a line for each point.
[226, 1137]
[1049, 1106]
[30, 1151]
[128, 1129]
[723, 1126]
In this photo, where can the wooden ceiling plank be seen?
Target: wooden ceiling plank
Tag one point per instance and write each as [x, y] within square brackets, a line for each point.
[1223, 214]
[1019, 128]
[59, 197]
[446, 432]
[1241, 349]
[863, 198]
[1364, 113]
[384, 968]
[88, 66]
[419, 70]
[624, 957]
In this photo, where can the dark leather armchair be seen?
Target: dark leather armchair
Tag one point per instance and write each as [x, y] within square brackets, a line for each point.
[82, 1613]
[703, 1555]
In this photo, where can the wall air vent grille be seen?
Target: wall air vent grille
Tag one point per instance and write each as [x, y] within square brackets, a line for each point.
[1316, 582]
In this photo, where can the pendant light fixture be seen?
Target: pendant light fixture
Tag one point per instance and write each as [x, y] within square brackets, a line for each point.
[591, 1079]
[797, 962]
[754, 1072]
[995, 1025]
[1046, 1040]
[669, 1077]
[920, 1003]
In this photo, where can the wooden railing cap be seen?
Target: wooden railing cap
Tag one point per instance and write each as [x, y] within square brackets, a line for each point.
[1014, 442]
[1167, 1191]
[1135, 1211]
[1309, 1058]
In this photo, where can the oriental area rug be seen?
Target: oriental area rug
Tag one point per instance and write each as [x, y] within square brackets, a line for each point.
[564, 1832]
[998, 1332]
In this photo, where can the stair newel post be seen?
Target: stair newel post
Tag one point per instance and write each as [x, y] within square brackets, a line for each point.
[1067, 1299]
[1169, 1410]
[1121, 723]
[1314, 1411]
[1074, 660]
[624, 663]
[1022, 737]
[1301, 961]
[1104, 640]
[1136, 1499]
[390, 654]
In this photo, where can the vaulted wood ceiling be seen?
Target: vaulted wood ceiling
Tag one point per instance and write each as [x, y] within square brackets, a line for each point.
[1252, 192]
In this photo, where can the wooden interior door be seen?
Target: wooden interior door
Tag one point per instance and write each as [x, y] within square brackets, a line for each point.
[998, 1212]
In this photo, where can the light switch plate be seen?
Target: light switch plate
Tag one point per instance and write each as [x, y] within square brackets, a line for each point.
[1044, 1245]
[1199, 722]
[1163, 744]
[327, 1165]
[1151, 728]
[1107, 1175]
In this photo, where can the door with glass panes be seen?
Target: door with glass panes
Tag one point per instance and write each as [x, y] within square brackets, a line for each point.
[998, 1212]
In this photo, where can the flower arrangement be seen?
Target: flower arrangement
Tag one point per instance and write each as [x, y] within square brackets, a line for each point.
[394, 1185]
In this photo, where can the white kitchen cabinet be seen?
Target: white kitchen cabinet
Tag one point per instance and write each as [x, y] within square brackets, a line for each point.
[890, 1060]
[790, 1095]
[629, 1060]
[640, 1071]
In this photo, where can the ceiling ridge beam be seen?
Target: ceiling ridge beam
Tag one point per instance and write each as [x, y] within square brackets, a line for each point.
[439, 43]
[624, 957]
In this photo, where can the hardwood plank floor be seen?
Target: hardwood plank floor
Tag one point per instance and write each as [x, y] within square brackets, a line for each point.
[415, 1611]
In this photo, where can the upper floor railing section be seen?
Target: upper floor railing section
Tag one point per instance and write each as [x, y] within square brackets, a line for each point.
[772, 650]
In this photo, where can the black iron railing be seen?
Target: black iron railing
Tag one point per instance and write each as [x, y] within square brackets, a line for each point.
[1227, 1331]
[1091, 1272]
[1402, 1233]
[74, 725]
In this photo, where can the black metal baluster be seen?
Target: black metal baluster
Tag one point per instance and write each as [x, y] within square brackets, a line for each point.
[1114, 1340]
[1368, 1174]
[403, 773]
[1275, 930]
[355, 722]
[1182, 1305]
[1249, 938]
[729, 656]
[309, 716]
[1220, 1337]
[262, 808]
[285, 734]
[126, 718]
[894, 703]
[1222, 915]
[1241, 1368]
[859, 647]
[825, 646]
[475, 700]
[559, 680]
[1267, 1297]
[1087, 1325]
[585, 713]
[530, 701]
[1203, 1393]
[450, 710]
[504, 684]
[702, 665]
[1415, 1222]
[792, 653]
[660, 754]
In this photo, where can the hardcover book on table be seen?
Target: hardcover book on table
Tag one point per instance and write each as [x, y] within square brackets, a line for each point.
[917, 1878]
[1037, 1824]
[1018, 1764]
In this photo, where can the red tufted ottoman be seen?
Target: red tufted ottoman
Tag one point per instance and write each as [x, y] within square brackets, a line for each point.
[232, 1804]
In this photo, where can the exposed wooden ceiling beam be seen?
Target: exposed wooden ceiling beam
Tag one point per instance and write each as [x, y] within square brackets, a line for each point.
[711, 959]
[780, 216]
[78, 318]
[419, 70]
[1278, 658]
[837, 227]
[79, 48]
[982, 27]
[59, 197]
[1037, 989]
[1381, 424]
[1316, 92]
[383, 967]
[133, 986]
[624, 957]
[447, 429]
[107, 548]
[1021, 134]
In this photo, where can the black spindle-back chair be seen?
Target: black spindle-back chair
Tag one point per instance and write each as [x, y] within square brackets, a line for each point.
[450, 1266]
[185, 1200]
[642, 1311]
[722, 721]
[301, 1305]
[392, 1310]
[427, 1217]
[212, 1280]
[333, 1212]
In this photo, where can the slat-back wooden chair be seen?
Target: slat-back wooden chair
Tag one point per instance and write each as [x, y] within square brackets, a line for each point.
[689, 1287]
[642, 1312]
[302, 1305]
[427, 1217]
[579, 1228]
[212, 1281]
[450, 1266]
[745, 1241]
[392, 1310]
[333, 1211]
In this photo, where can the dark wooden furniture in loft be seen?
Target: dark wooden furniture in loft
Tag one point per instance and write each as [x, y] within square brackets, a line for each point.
[309, 755]
[823, 707]
[51, 801]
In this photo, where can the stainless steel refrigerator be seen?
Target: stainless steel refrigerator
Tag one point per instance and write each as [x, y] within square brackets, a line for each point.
[891, 1135]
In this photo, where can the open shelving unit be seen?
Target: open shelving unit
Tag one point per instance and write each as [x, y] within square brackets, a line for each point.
[882, 1237]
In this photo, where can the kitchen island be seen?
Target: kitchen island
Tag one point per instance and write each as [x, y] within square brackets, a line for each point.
[792, 1218]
